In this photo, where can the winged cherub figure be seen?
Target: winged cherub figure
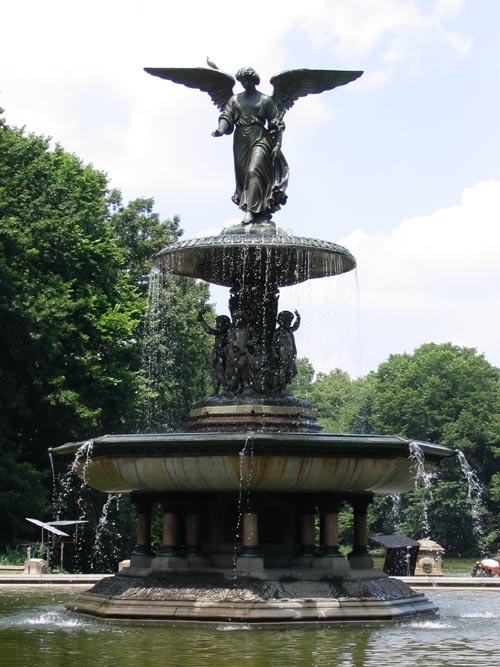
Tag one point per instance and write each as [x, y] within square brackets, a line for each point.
[256, 119]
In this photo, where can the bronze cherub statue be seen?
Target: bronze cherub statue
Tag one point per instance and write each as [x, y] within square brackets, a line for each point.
[257, 121]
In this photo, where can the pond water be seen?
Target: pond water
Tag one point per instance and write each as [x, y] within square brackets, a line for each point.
[35, 629]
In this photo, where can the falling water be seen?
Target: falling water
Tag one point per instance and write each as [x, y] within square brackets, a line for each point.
[245, 483]
[71, 479]
[394, 502]
[73, 484]
[54, 478]
[105, 557]
[148, 415]
[475, 493]
[423, 481]
[330, 332]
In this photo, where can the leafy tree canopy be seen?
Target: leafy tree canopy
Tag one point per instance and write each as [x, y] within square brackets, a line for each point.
[74, 262]
[67, 311]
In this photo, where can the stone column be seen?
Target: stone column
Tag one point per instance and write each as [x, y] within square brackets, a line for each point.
[249, 557]
[359, 557]
[250, 534]
[329, 556]
[142, 553]
[193, 533]
[306, 519]
[193, 537]
[329, 530]
[169, 555]
[307, 532]
[330, 533]
[170, 540]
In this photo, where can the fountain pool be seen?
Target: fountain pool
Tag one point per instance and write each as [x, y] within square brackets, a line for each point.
[34, 627]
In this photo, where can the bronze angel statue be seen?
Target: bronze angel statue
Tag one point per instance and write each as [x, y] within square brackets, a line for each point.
[256, 119]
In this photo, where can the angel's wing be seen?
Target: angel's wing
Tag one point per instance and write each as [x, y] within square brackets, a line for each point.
[217, 84]
[289, 86]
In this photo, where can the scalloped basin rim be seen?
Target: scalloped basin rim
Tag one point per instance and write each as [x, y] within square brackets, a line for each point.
[218, 259]
[274, 462]
[314, 444]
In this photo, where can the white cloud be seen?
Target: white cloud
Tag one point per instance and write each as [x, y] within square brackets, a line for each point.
[433, 278]
[74, 71]
[392, 32]
[456, 247]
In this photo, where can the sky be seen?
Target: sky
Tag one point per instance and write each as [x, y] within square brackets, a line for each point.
[401, 166]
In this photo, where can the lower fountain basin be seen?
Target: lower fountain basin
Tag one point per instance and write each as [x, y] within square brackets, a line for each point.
[275, 462]
[277, 599]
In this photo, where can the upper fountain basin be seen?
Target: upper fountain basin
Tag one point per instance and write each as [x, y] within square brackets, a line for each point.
[269, 255]
[279, 462]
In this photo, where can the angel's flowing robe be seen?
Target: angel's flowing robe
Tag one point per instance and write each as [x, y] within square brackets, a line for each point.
[261, 175]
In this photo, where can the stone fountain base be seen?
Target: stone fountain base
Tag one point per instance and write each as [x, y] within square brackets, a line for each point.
[258, 598]
[250, 526]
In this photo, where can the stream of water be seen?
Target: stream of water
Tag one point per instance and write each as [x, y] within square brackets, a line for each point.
[35, 629]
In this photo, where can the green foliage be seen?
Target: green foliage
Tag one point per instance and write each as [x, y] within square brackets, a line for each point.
[140, 234]
[17, 555]
[449, 395]
[173, 351]
[74, 263]
[67, 311]
[346, 518]
[440, 393]
[342, 403]
[302, 382]
[22, 494]
[176, 354]
[13, 557]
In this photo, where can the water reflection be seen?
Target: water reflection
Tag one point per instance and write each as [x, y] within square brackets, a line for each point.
[35, 628]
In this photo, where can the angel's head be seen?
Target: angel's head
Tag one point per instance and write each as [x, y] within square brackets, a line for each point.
[248, 74]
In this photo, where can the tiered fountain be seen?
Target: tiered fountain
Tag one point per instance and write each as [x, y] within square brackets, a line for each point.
[251, 493]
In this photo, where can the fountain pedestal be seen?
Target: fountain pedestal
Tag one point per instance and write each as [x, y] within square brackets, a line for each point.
[251, 494]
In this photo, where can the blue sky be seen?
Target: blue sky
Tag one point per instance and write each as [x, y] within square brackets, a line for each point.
[401, 166]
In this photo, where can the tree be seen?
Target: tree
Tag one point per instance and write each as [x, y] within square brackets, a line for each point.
[22, 494]
[173, 349]
[448, 395]
[67, 312]
[72, 300]
[301, 384]
[440, 393]
[343, 404]
[140, 234]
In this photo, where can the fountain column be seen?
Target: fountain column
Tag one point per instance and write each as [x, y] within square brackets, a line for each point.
[359, 557]
[250, 557]
[142, 554]
[193, 536]
[169, 554]
[250, 539]
[170, 540]
[329, 552]
[307, 532]
[329, 533]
